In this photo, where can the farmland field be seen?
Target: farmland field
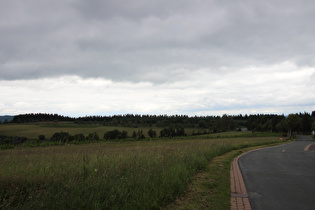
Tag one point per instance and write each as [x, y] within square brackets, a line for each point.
[33, 130]
[107, 175]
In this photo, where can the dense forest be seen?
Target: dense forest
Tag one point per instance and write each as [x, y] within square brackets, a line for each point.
[299, 122]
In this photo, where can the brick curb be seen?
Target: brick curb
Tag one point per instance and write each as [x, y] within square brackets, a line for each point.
[239, 196]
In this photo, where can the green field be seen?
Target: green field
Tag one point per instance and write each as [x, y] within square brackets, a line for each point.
[106, 175]
[33, 130]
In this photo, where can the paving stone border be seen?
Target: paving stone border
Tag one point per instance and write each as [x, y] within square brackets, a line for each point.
[239, 196]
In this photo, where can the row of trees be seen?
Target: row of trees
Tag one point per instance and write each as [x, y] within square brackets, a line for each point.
[260, 122]
[66, 137]
[129, 120]
[12, 139]
[114, 134]
[301, 123]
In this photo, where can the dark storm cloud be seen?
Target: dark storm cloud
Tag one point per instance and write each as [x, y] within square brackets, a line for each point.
[153, 41]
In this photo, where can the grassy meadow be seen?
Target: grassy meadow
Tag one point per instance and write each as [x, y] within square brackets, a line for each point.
[33, 130]
[106, 175]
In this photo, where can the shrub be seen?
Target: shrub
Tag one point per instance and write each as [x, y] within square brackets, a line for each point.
[93, 136]
[152, 133]
[62, 137]
[171, 132]
[41, 137]
[79, 137]
[115, 134]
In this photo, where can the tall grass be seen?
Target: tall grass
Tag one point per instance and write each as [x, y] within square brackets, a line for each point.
[124, 175]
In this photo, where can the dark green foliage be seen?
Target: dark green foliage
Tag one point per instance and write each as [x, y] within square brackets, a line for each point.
[39, 117]
[292, 123]
[79, 137]
[265, 123]
[115, 134]
[167, 132]
[41, 137]
[12, 140]
[62, 137]
[138, 135]
[171, 132]
[134, 135]
[152, 133]
[180, 131]
[124, 134]
[93, 136]
[306, 123]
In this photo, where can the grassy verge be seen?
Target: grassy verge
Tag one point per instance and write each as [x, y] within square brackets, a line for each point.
[123, 175]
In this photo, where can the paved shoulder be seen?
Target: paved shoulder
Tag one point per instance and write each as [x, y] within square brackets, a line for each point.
[281, 177]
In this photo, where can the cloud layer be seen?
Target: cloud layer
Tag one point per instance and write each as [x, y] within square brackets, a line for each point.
[267, 91]
[190, 57]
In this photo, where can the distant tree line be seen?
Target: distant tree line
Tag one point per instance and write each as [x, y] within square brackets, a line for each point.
[303, 122]
[40, 117]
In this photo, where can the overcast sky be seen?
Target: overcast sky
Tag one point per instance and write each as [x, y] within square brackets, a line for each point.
[201, 57]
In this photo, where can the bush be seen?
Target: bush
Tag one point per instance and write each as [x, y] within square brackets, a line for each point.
[93, 136]
[79, 137]
[12, 140]
[41, 137]
[62, 137]
[171, 132]
[167, 132]
[152, 133]
[115, 134]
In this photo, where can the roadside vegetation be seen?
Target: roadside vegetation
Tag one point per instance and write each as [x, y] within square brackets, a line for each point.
[108, 175]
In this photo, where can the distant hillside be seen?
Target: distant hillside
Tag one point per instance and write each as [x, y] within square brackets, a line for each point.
[3, 118]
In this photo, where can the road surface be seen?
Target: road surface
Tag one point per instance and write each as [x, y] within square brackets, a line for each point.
[281, 177]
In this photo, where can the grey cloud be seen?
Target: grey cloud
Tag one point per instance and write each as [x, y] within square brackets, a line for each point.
[150, 40]
[135, 10]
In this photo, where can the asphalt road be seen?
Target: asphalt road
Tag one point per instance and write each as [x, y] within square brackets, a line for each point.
[281, 177]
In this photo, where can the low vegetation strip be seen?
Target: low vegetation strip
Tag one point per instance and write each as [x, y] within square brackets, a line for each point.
[108, 175]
